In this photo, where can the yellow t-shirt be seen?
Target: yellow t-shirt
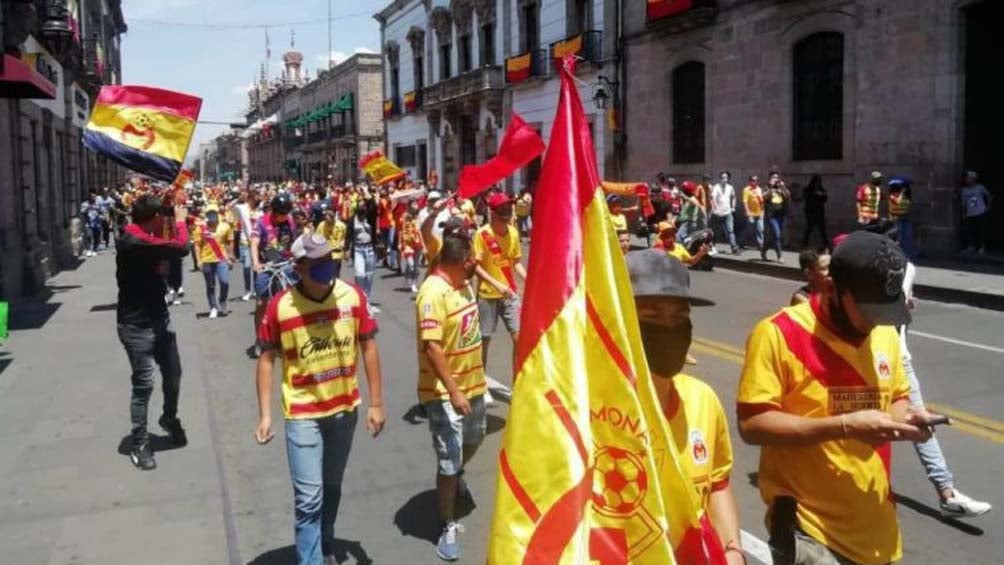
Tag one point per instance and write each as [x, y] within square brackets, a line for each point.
[318, 343]
[681, 253]
[796, 364]
[523, 206]
[334, 232]
[498, 255]
[753, 200]
[449, 315]
[204, 240]
[701, 434]
[467, 208]
[619, 221]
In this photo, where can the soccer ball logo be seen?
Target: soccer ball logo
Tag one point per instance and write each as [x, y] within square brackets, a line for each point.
[619, 482]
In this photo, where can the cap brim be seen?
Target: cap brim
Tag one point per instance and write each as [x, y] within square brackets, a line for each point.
[894, 313]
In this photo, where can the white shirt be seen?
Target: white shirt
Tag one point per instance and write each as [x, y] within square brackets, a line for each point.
[723, 199]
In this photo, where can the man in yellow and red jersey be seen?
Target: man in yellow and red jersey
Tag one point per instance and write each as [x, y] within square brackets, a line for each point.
[823, 390]
[869, 198]
[318, 329]
[667, 242]
[214, 244]
[451, 377]
[497, 249]
[661, 286]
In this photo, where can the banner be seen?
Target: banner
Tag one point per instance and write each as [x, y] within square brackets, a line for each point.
[520, 145]
[638, 190]
[659, 9]
[587, 471]
[145, 129]
[518, 68]
[380, 168]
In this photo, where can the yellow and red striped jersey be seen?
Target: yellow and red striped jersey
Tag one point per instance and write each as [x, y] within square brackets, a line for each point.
[318, 342]
[449, 315]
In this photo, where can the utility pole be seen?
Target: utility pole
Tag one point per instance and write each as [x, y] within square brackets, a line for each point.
[329, 34]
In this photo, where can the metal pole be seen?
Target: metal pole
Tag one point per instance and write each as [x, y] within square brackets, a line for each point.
[329, 34]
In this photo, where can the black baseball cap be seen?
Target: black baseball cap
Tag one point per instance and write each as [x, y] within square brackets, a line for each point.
[654, 273]
[872, 268]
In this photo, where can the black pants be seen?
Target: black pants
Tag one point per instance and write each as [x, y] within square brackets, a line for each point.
[174, 274]
[974, 231]
[815, 222]
[106, 232]
[146, 347]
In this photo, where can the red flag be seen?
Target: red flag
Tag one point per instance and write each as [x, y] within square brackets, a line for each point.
[520, 145]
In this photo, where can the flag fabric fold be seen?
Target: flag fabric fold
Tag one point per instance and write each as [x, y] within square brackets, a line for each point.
[587, 471]
[520, 145]
[145, 129]
[381, 169]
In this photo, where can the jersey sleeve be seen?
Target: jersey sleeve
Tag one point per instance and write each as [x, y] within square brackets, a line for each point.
[268, 329]
[761, 382]
[431, 315]
[478, 247]
[515, 246]
[367, 323]
[900, 384]
[721, 466]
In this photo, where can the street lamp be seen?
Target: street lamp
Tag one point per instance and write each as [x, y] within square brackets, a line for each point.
[600, 96]
[56, 27]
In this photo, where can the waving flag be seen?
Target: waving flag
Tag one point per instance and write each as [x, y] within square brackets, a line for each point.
[520, 145]
[587, 472]
[142, 128]
[638, 190]
[381, 169]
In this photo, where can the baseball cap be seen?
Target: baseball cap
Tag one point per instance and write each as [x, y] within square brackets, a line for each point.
[498, 199]
[435, 195]
[655, 273]
[310, 246]
[665, 226]
[876, 175]
[872, 267]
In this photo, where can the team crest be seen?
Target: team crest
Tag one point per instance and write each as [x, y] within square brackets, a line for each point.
[698, 449]
[882, 366]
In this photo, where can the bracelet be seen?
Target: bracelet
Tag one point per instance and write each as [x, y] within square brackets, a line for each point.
[741, 553]
[843, 424]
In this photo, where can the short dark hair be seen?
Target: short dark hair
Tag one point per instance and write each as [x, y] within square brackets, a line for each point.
[808, 258]
[146, 207]
[456, 249]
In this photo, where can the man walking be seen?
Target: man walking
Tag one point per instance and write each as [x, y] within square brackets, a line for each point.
[723, 208]
[451, 379]
[753, 206]
[318, 328]
[144, 325]
[823, 390]
[976, 201]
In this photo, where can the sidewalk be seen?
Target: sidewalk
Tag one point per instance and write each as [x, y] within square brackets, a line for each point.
[979, 289]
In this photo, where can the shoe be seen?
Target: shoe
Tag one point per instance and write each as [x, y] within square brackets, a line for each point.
[713, 251]
[414, 289]
[448, 549]
[173, 427]
[214, 313]
[961, 506]
[735, 251]
[690, 360]
[177, 302]
[141, 455]
[780, 260]
[374, 309]
[181, 292]
[246, 297]
[489, 399]
[169, 298]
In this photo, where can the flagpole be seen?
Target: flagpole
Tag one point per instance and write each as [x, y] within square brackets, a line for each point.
[329, 34]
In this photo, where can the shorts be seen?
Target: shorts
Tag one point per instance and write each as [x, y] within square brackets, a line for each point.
[490, 309]
[451, 432]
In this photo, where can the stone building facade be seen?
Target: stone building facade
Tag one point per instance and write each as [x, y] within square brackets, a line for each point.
[56, 56]
[831, 87]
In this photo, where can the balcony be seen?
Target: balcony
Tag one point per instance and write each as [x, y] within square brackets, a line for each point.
[663, 16]
[470, 84]
[526, 66]
[587, 45]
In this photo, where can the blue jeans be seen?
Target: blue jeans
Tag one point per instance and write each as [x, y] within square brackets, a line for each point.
[929, 452]
[365, 264]
[904, 233]
[726, 224]
[410, 269]
[213, 272]
[318, 451]
[244, 255]
[776, 224]
[390, 242]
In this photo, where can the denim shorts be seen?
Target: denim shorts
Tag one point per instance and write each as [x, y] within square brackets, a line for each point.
[491, 309]
[451, 432]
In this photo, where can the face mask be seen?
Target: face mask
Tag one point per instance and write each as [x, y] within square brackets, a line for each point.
[666, 347]
[840, 320]
[322, 272]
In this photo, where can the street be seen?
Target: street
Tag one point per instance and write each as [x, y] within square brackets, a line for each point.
[70, 494]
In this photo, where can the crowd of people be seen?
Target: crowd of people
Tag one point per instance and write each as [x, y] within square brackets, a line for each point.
[826, 385]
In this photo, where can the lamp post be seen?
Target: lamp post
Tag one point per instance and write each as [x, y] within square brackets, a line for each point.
[600, 96]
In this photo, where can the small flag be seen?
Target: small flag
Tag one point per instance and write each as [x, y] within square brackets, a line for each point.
[381, 169]
[520, 145]
[518, 68]
[145, 129]
[588, 471]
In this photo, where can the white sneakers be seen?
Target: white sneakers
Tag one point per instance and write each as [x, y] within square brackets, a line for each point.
[214, 313]
[961, 506]
[246, 297]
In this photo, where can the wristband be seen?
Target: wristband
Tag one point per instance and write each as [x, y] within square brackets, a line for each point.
[843, 424]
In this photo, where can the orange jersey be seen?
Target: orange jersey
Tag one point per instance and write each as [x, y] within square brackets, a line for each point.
[795, 363]
[318, 343]
[449, 315]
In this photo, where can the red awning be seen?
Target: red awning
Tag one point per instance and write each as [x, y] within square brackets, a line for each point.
[18, 80]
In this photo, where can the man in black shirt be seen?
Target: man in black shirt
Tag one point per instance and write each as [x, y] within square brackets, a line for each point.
[144, 325]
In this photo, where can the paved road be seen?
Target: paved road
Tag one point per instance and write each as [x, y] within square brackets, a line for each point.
[70, 496]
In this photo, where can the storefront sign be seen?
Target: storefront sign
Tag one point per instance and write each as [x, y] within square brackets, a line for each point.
[659, 9]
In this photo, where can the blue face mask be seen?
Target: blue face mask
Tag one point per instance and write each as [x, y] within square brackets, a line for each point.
[322, 272]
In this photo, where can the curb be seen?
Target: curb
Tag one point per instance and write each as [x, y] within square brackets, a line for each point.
[984, 300]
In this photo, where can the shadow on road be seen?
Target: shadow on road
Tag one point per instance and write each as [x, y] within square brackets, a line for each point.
[921, 508]
[494, 423]
[157, 443]
[417, 518]
[415, 415]
[105, 307]
[343, 550]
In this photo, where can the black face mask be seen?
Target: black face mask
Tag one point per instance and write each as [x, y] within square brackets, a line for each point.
[840, 320]
[666, 347]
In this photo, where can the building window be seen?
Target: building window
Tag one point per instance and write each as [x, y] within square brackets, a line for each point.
[487, 44]
[395, 82]
[405, 156]
[688, 113]
[530, 32]
[818, 97]
[419, 64]
[444, 61]
[580, 16]
[464, 56]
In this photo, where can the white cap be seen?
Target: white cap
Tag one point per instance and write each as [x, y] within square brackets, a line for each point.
[435, 195]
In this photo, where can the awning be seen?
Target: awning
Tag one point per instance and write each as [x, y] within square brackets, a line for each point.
[344, 104]
[18, 80]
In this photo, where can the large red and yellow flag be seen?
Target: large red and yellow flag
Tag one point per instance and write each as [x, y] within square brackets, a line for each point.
[587, 473]
[145, 129]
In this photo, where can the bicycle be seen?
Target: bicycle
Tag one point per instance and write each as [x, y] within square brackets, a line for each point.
[280, 276]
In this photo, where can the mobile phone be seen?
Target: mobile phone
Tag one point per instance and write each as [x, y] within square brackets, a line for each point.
[939, 420]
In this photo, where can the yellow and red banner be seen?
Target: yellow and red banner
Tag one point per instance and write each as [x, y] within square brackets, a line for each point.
[388, 108]
[517, 69]
[381, 169]
[659, 9]
[145, 129]
[637, 190]
[410, 102]
[571, 46]
[587, 471]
